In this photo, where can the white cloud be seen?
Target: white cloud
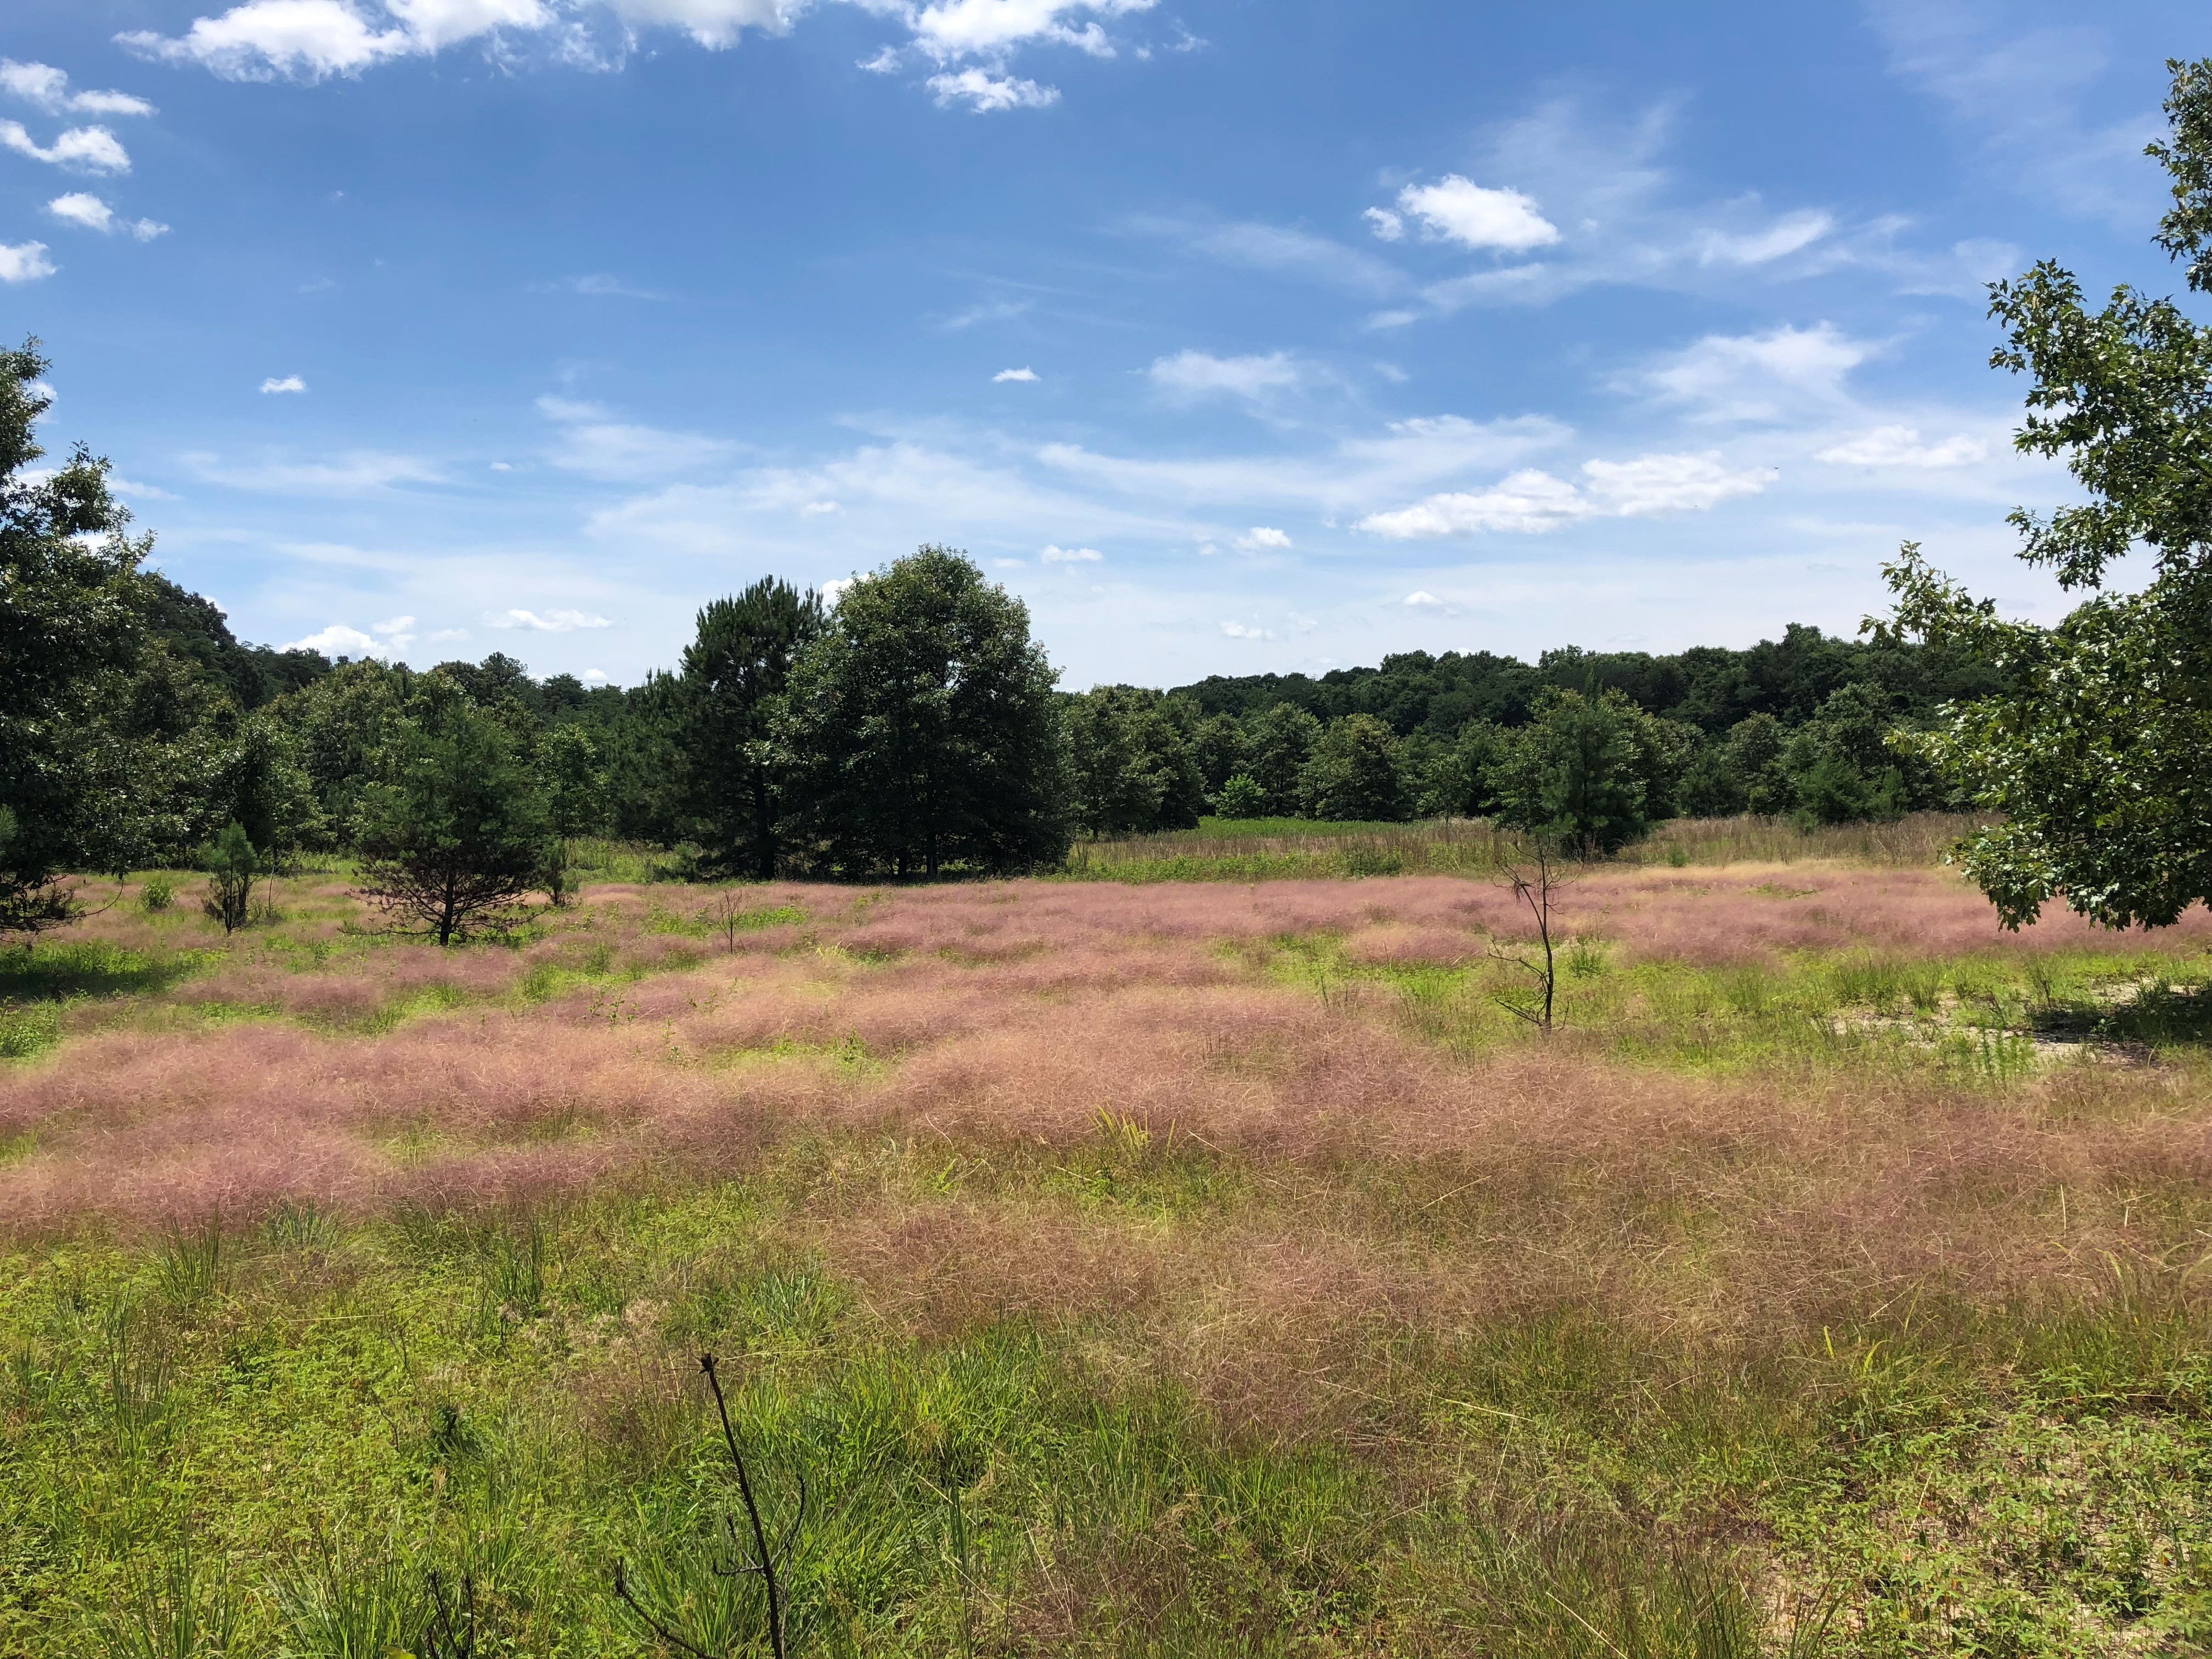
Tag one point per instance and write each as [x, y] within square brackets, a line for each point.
[1900, 446]
[885, 62]
[1786, 235]
[1423, 597]
[79, 209]
[46, 87]
[949, 29]
[1260, 536]
[24, 262]
[1191, 374]
[339, 640]
[819, 510]
[290, 383]
[358, 472]
[594, 677]
[714, 23]
[2021, 91]
[1024, 375]
[552, 622]
[1757, 377]
[1531, 501]
[301, 40]
[1072, 555]
[1459, 210]
[983, 92]
[392, 625]
[1010, 564]
[314, 40]
[835, 589]
[81, 149]
[1388, 226]
[601, 447]
[1237, 630]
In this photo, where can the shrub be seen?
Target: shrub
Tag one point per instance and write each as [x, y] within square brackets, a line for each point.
[232, 867]
[1242, 798]
[158, 894]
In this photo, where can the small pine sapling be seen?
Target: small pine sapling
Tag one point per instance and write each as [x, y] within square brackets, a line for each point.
[232, 867]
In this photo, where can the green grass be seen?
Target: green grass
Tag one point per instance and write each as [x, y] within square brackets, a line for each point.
[288, 1433]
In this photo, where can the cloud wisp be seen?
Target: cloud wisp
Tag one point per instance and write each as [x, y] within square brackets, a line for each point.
[1532, 501]
[88, 212]
[43, 87]
[80, 149]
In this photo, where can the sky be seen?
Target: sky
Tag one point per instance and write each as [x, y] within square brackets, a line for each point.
[1233, 336]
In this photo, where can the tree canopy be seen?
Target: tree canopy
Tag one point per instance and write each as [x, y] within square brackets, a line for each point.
[2095, 743]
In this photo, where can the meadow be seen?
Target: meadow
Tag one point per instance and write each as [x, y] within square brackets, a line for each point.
[1182, 1262]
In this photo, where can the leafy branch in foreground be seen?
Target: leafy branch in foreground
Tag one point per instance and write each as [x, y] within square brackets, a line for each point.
[766, 1563]
[2096, 746]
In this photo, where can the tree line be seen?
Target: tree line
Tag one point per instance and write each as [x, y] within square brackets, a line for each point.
[915, 729]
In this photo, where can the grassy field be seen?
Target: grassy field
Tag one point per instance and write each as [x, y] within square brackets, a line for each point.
[1125, 1266]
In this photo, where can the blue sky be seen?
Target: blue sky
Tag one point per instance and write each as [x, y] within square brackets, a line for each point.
[1234, 335]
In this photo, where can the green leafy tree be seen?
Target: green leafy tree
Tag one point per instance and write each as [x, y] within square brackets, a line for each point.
[923, 730]
[1219, 746]
[732, 689]
[70, 606]
[2096, 743]
[1111, 790]
[231, 865]
[1352, 774]
[1573, 774]
[1241, 796]
[574, 781]
[1278, 745]
[342, 724]
[264, 784]
[456, 832]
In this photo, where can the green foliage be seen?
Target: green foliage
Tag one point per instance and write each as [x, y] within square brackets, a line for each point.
[1573, 773]
[1278, 745]
[1133, 765]
[731, 692]
[231, 865]
[923, 730]
[1352, 774]
[2097, 745]
[1241, 796]
[575, 784]
[456, 832]
[70, 638]
[157, 894]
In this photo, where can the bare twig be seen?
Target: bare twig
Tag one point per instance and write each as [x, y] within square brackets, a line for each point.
[766, 1563]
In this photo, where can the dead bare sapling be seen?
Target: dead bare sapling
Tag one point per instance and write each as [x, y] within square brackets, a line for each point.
[765, 1562]
[1537, 876]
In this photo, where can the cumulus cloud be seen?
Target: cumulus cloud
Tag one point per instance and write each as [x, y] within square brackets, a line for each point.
[1421, 598]
[290, 383]
[81, 149]
[1387, 225]
[339, 640]
[1532, 501]
[550, 621]
[1459, 210]
[819, 510]
[1072, 555]
[24, 262]
[951, 30]
[1260, 536]
[92, 214]
[314, 39]
[835, 589]
[48, 89]
[1193, 374]
[1237, 630]
[983, 92]
[1024, 375]
[1900, 446]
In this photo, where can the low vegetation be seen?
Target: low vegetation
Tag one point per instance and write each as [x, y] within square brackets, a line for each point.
[1123, 1268]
